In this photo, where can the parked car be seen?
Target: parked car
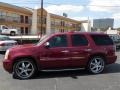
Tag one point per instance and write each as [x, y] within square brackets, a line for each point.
[7, 31]
[116, 40]
[6, 43]
[92, 51]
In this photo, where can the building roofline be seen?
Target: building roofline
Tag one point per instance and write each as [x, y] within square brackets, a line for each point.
[14, 7]
[64, 17]
[83, 21]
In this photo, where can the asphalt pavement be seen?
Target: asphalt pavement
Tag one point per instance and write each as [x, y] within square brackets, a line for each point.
[65, 80]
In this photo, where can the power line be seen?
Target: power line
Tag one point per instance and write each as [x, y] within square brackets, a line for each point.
[69, 4]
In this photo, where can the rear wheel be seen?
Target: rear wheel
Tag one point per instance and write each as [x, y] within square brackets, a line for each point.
[12, 33]
[24, 69]
[96, 65]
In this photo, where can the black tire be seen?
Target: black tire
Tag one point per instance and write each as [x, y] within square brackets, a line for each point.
[24, 69]
[12, 33]
[96, 65]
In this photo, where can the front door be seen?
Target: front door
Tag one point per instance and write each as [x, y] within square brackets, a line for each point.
[57, 55]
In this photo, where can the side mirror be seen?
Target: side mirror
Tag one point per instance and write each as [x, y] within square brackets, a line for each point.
[47, 44]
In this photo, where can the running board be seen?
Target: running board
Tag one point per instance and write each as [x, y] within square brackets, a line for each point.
[51, 70]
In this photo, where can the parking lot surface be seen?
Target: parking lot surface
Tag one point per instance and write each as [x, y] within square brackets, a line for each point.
[65, 80]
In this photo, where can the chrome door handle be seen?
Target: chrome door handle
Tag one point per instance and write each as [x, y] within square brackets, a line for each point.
[65, 51]
[88, 50]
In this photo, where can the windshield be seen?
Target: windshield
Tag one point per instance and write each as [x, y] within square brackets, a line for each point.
[43, 39]
[4, 27]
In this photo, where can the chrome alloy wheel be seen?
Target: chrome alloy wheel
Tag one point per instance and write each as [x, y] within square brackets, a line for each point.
[24, 69]
[97, 65]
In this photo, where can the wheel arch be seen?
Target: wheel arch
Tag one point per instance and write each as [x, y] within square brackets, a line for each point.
[24, 57]
[12, 31]
[99, 55]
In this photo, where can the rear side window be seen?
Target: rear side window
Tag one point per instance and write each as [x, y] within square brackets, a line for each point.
[102, 40]
[79, 40]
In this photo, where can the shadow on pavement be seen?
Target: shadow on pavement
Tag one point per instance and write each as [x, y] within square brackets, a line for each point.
[114, 68]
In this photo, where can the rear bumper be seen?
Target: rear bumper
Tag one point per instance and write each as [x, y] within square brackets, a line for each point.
[7, 65]
[111, 59]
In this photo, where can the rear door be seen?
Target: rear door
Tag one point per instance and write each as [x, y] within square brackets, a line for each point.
[79, 50]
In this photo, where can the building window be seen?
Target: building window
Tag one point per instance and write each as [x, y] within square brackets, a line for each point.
[61, 30]
[22, 19]
[62, 23]
[26, 19]
[44, 20]
[2, 15]
[57, 23]
[22, 30]
[15, 17]
[26, 31]
[43, 30]
[53, 22]
[39, 19]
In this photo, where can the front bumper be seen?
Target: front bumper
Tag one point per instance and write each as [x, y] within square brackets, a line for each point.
[7, 65]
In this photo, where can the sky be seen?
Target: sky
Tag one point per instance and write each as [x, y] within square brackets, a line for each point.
[77, 9]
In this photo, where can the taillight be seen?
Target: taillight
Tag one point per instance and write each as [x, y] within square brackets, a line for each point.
[2, 44]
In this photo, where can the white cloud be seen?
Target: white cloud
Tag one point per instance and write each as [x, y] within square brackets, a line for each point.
[116, 16]
[64, 8]
[104, 5]
[80, 18]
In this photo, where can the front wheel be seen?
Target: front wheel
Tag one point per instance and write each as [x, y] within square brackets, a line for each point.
[24, 69]
[96, 65]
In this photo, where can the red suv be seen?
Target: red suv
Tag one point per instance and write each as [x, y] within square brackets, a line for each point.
[91, 51]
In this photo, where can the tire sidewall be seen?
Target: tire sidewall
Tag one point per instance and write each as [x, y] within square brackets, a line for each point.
[88, 66]
[12, 33]
[16, 76]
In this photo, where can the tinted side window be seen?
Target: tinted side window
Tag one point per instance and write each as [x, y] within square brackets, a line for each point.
[102, 40]
[58, 41]
[79, 40]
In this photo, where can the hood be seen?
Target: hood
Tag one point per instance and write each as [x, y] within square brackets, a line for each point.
[23, 46]
[27, 49]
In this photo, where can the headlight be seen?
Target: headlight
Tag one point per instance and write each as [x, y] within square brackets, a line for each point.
[7, 54]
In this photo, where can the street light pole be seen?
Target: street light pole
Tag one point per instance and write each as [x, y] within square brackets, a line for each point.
[41, 17]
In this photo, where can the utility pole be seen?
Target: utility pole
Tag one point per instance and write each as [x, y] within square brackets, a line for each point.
[41, 17]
